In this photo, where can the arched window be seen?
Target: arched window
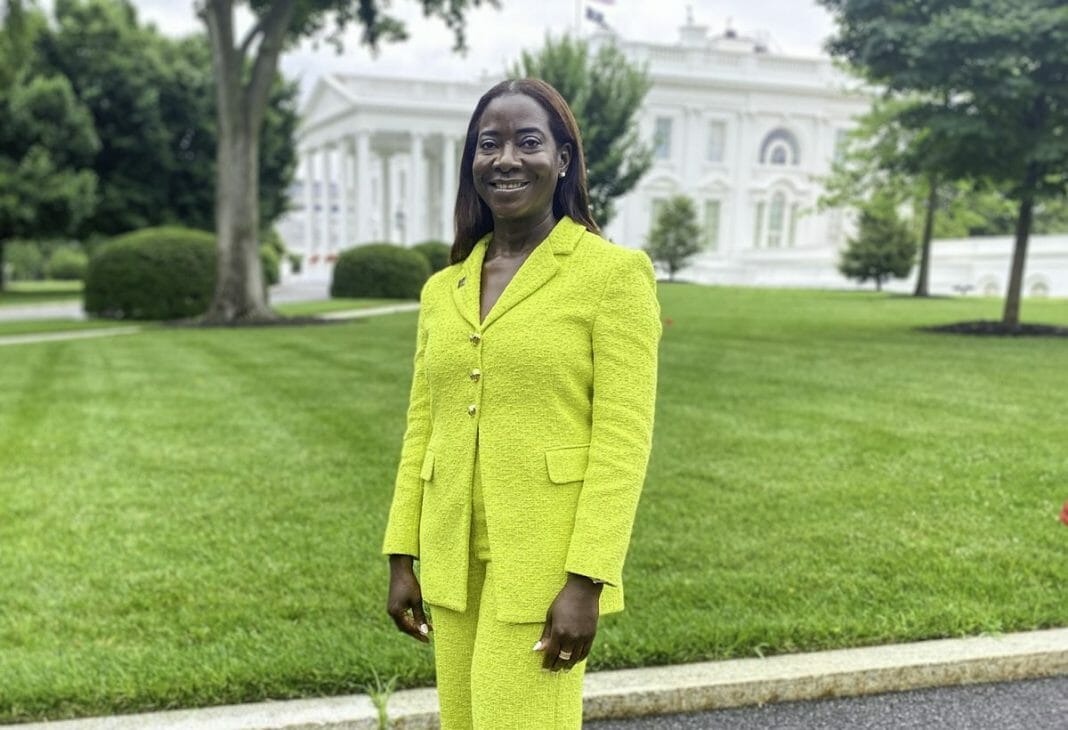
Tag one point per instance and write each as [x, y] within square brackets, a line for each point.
[780, 147]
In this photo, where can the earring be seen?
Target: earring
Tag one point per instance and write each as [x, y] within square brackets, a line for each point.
[563, 174]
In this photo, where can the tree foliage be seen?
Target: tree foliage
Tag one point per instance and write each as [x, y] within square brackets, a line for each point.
[884, 246]
[47, 143]
[605, 91]
[675, 236]
[884, 157]
[988, 81]
[153, 105]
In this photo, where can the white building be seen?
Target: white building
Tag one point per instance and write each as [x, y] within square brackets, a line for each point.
[743, 131]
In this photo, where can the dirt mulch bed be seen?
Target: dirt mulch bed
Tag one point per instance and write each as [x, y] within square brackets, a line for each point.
[991, 328]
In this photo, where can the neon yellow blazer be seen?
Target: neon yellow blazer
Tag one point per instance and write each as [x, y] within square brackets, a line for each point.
[557, 388]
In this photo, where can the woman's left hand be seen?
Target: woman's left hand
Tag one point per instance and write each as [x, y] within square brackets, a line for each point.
[570, 624]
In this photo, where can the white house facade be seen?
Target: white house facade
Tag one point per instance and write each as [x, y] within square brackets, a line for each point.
[745, 132]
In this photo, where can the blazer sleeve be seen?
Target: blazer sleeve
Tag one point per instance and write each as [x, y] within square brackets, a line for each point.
[626, 334]
[402, 528]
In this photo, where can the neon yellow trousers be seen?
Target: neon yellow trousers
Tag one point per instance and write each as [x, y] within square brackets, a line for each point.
[488, 677]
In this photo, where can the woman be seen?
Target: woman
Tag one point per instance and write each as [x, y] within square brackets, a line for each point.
[529, 426]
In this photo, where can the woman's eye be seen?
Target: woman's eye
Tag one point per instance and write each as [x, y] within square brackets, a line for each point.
[486, 144]
[531, 142]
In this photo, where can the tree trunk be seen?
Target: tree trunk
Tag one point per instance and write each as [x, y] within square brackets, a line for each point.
[1011, 315]
[239, 288]
[2, 278]
[240, 295]
[925, 245]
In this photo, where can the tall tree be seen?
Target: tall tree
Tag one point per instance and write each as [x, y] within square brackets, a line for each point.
[47, 142]
[675, 236]
[244, 70]
[605, 91]
[152, 101]
[994, 74]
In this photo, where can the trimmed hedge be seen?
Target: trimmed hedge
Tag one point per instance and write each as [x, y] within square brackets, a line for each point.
[154, 273]
[436, 252]
[379, 270]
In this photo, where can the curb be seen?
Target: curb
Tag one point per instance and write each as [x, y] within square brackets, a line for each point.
[370, 311]
[662, 690]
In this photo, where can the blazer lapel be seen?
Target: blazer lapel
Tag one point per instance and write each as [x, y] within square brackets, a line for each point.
[541, 265]
[468, 285]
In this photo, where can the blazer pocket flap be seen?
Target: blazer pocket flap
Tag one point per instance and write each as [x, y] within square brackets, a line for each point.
[567, 464]
[427, 472]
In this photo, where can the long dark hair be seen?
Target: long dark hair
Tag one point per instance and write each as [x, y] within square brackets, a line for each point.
[473, 217]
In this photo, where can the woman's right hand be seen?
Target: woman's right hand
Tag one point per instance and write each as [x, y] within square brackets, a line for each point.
[405, 595]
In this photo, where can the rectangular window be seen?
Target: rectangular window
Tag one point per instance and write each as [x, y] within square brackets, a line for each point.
[711, 225]
[794, 210]
[776, 216]
[758, 226]
[662, 138]
[656, 205]
[717, 139]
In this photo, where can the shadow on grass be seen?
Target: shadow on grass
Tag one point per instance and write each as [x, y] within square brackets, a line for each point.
[991, 328]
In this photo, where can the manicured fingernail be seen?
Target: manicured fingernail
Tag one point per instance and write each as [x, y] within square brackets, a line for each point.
[423, 629]
[537, 645]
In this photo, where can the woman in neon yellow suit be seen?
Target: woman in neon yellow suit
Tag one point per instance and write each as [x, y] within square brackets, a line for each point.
[529, 426]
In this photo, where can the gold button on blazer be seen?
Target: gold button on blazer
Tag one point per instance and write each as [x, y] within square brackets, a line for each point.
[561, 411]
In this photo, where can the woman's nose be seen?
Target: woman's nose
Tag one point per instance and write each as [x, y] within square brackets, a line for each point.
[507, 159]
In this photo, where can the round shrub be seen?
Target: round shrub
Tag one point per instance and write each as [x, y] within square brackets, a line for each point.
[154, 273]
[68, 264]
[436, 252]
[379, 270]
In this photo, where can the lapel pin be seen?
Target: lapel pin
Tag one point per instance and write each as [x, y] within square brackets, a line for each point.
[461, 282]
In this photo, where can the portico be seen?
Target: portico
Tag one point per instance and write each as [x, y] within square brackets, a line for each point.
[363, 179]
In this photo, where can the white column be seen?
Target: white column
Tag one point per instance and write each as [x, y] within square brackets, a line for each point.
[416, 213]
[325, 244]
[387, 213]
[449, 175]
[744, 211]
[363, 187]
[345, 193]
[309, 201]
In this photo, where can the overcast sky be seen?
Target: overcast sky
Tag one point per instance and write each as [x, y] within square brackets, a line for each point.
[495, 37]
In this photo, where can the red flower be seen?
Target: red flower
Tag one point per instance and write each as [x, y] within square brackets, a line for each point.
[1064, 514]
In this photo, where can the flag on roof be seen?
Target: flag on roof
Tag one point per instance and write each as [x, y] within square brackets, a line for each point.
[596, 16]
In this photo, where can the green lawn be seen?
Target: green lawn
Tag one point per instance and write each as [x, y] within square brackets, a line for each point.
[193, 517]
[39, 292]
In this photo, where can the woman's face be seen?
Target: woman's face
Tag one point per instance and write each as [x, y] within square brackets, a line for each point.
[517, 163]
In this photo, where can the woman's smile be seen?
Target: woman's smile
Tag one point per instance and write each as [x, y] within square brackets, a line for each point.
[504, 186]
